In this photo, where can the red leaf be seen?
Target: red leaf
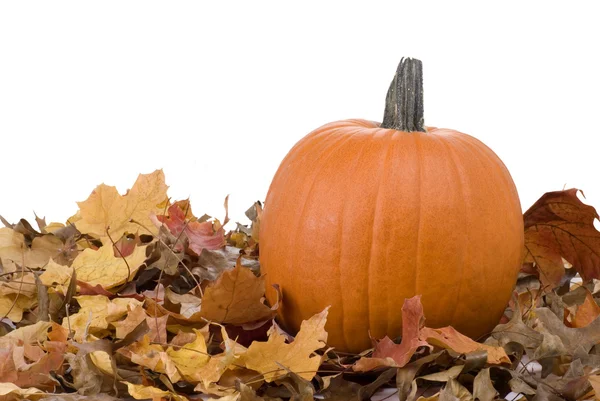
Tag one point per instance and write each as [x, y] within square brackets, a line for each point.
[412, 322]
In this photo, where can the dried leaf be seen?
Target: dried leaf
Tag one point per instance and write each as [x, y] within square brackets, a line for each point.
[200, 235]
[586, 312]
[560, 226]
[449, 338]
[483, 388]
[105, 207]
[236, 298]
[268, 357]
[102, 267]
[412, 323]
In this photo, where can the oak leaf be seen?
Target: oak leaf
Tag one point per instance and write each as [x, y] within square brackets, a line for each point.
[275, 357]
[236, 298]
[559, 226]
[585, 313]
[386, 352]
[105, 207]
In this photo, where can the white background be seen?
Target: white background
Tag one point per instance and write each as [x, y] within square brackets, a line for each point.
[216, 93]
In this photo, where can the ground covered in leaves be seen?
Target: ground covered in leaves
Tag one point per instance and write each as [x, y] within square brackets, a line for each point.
[137, 298]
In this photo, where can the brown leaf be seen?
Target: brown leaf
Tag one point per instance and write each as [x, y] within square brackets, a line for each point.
[453, 390]
[236, 298]
[517, 331]
[572, 338]
[560, 226]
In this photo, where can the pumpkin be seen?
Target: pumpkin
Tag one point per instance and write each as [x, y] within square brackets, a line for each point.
[361, 215]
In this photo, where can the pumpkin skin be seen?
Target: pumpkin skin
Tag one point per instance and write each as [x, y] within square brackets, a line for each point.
[361, 217]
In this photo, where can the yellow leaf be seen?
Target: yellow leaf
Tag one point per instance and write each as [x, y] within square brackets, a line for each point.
[95, 314]
[32, 334]
[190, 357]
[274, 357]
[12, 389]
[55, 274]
[14, 310]
[102, 267]
[13, 247]
[218, 364]
[105, 207]
[103, 362]
[141, 392]
[20, 285]
[236, 298]
[123, 327]
[152, 356]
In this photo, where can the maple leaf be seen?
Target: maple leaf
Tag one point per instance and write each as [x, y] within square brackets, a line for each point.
[128, 213]
[13, 247]
[217, 365]
[275, 357]
[200, 234]
[236, 298]
[19, 285]
[559, 226]
[190, 357]
[152, 356]
[134, 317]
[96, 312]
[103, 268]
[13, 306]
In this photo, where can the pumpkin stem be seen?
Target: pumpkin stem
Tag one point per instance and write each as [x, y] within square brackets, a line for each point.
[404, 101]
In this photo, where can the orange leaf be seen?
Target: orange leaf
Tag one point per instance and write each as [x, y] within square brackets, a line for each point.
[449, 338]
[586, 313]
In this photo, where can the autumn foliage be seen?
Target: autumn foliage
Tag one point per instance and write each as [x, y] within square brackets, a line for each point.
[136, 297]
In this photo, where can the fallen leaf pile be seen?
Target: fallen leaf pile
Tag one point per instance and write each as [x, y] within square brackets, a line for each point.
[137, 298]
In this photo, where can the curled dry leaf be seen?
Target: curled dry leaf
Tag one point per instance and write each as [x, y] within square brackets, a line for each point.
[449, 338]
[559, 226]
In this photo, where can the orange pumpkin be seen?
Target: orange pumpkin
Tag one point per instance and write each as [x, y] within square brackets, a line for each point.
[362, 215]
